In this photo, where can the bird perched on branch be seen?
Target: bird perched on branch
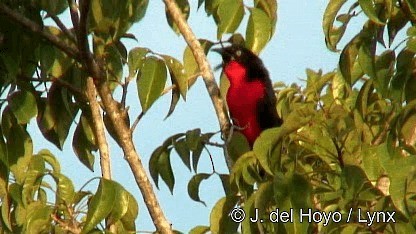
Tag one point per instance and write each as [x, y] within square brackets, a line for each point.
[250, 97]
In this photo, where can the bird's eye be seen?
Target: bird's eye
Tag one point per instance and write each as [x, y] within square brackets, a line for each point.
[238, 53]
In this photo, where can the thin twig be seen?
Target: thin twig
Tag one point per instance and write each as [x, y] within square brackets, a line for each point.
[74, 90]
[216, 144]
[204, 67]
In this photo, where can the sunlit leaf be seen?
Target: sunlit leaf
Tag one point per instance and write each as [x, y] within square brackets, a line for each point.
[270, 8]
[23, 105]
[100, 204]
[199, 230]
[230, 14]
[189, 62]
[135, 59]
[177, 73]
[259, 30]
[151, 81]
[220, 222]
[370, 9]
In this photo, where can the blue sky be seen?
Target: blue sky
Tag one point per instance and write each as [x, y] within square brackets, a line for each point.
[298, 43]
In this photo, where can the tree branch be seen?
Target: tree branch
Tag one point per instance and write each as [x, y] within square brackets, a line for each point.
[122, 130]
[99, 130]
[62, 26]
[96, 72]
[35, 28]
[133, 158]
[204, 67]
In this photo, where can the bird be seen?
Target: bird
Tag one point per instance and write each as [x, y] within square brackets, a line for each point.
[250, 97]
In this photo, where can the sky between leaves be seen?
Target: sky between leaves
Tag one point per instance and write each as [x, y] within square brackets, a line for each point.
[297, 44]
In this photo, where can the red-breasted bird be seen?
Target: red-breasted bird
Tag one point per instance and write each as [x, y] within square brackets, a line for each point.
[250, 97]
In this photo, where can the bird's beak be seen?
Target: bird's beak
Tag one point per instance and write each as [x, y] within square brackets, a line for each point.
[218, 50]
[226, 56]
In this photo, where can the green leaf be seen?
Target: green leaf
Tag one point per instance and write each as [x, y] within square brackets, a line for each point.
[220, 222]
[363, 97]
[193, 138]
[113, 65]
[159, 164]
[384, 67]
[129, 218]
[135, 59]
[348, 60]
[65, 188]
[19, 151]
[54, 63]
[396, 22]
[153, 163]
[366, 56]
[332, 34]
[403, 72]
[189, 63]
[264, 148]
[151, 81]
[177, 73]
[111, 201]
[50, 159]
[38, 218]
[224, 84]
[199, 230]
[100, 205]
[184, 153]
[193, 186]
[184, 8]
[175, 99]
[200, 3]
[259, 30]
[211, 7]
[23, 105]
[249, 210]
[238, 146]
[225, 181]
[371, 163]
[83, 147]
[165, 170]
[113, 18]
[270, 8]
[264, 196]
[370, 9]
[196, 155]
[408, 129]
[56, 116]
[6, 213]
[230, 14]
[244, 168]
[293, 191]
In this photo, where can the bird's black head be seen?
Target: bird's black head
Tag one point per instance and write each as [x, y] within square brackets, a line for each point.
[244, 56]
